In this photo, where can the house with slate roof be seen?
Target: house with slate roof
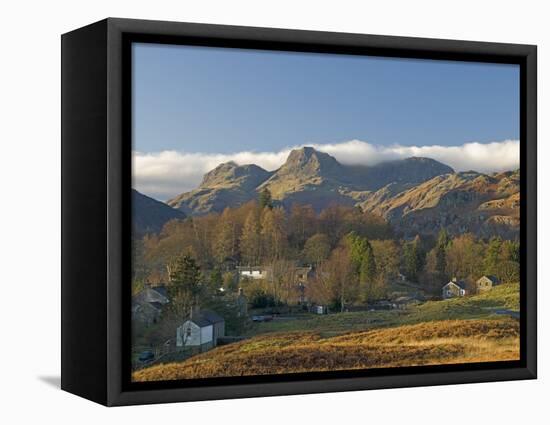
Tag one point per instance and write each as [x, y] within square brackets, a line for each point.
[201, 331]
[486, 283]
[455, 288]
[147, 304]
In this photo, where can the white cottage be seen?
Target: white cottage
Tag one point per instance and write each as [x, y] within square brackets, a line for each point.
[455, 288]
[201, 330]
[254, 272]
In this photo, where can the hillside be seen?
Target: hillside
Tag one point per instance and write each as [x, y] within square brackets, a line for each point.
[227, 185]
[459, 330]
[149, 215]
[461, 202]
[442, 342]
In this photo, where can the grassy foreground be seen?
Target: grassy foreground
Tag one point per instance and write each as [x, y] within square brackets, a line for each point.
[461, 330]
[441, 342]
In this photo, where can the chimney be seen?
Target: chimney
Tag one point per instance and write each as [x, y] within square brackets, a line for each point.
[454, 279]
[194, 312]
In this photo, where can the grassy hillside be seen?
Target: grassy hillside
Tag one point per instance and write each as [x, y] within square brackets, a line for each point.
[502, 297]
[475, 307]
[459, 330]
[439, 342]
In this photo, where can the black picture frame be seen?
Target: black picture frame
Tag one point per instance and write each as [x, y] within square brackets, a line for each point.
[96, 210]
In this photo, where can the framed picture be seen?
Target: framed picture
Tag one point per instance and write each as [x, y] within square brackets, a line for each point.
[252, 212]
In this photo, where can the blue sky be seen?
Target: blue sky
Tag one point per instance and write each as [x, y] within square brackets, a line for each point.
[223, 100]
[195, 107]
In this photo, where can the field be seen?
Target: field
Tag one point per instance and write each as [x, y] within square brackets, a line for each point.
[484, 306]
[437, 332]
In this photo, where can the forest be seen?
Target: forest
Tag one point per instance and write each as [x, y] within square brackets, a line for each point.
[355, 256]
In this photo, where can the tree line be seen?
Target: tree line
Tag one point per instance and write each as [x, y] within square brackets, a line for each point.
[355, 255]
[256, 233]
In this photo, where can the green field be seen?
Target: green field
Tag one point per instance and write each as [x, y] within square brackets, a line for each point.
[503, 297]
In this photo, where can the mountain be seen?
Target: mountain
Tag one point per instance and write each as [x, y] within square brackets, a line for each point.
[316, 178]
[227, 185]
[408, 171]
[483, 204]
[416, 195]
[149, 215]
[308, 176]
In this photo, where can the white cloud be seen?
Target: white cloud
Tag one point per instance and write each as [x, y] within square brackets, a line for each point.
[165, 174]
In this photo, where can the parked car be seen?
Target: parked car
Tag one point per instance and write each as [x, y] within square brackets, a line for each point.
[146, 356]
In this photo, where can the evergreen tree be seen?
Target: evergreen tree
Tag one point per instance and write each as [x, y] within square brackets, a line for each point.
[492, 256]
[413, 257]
[443, 241]
[215, 280]
[363, 262]
[367, 272]
[357, 248]
[185, 288]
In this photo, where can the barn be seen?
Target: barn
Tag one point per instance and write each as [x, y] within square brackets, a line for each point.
[201, 331]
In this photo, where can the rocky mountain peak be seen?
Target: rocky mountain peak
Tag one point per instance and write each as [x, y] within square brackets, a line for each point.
[230, 173]
[308, 161]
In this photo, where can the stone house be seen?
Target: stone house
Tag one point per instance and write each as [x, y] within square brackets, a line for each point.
[147, 304]
[486, 283]
[454, 288]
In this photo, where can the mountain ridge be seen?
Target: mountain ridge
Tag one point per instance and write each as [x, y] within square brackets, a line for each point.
[416, 195]
[150, 215]
[307, 176]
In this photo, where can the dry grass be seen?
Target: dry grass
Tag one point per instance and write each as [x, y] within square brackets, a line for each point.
[430, 343]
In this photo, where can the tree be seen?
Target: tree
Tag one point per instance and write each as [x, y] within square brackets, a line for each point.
[465, 258]
[317, 249]
[251, 241]
[225, 244]
[443, 241]
[413, 259]
[215, 281]
[283, 281]
[364, 264]
[265, 199]
[229, 281]
[357, 248]
[301, 225]
[335, 281]
[386, 253]
[367, 272]
[492, 256]
[273, 231]
[508, 272]
[185, 288]
[510, 251]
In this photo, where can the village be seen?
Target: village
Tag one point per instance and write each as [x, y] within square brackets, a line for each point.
[202, 329]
